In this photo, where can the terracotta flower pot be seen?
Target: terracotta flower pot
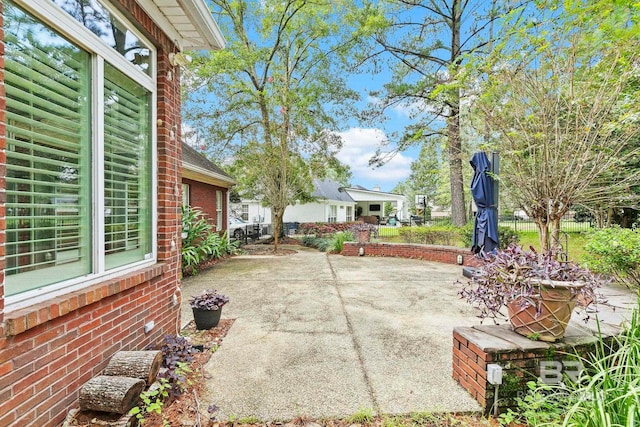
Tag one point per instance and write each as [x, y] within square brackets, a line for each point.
[364, 236]
[547, 319]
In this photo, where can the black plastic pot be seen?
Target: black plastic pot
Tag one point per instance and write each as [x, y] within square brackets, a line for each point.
[206, 319]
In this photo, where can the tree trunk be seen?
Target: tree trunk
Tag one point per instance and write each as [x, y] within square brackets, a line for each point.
[458, 213]
[110, 394]
[135, 364]
[555, 232]
[543, 233]
[277, 214]
[458, 208]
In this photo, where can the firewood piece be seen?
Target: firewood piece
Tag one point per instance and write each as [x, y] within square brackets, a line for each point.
[135, 364]
[110, 394]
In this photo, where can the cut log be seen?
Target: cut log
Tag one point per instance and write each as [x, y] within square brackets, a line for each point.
[78, 418]
[110, 394]
[135, 364]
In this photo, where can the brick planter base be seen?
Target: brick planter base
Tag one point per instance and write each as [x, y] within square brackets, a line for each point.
[520, 359]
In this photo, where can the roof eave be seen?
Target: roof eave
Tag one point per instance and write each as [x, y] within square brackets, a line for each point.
[200, 171]
[207, 26]
[197, 12]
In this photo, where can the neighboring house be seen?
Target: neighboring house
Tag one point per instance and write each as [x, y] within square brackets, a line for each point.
[371, 202]
[440, 211]
[90, 181]
[206, 186]
[334, 204]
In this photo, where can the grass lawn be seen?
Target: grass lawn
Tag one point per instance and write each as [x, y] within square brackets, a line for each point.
[574, 245]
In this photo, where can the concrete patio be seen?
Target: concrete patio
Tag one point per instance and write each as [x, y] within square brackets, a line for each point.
[326, 335]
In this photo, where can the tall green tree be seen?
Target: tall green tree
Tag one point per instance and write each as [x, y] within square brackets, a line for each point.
[425, 174]
[425, 43]
[275, 97]
[561, 101]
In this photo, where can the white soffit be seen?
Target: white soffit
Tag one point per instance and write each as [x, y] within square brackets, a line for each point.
[188, 22]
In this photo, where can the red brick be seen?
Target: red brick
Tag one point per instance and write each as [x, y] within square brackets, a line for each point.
[48, 335]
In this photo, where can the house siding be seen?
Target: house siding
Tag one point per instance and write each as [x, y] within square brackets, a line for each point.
[49, 350]
[203, 196]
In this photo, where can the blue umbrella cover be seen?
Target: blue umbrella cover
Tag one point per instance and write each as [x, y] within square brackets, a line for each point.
[485, 226]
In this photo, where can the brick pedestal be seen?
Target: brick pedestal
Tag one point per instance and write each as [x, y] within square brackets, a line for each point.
[476, 347]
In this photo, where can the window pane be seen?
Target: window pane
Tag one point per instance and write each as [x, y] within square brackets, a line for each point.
[47, 82]
[97, 19]
[127, 175]
[218, 210]
[185, 195]
[333, 213]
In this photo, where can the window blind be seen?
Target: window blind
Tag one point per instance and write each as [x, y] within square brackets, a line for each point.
[47, 81]
[127, 139]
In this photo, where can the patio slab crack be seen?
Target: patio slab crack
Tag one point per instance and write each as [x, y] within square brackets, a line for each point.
[356, 345]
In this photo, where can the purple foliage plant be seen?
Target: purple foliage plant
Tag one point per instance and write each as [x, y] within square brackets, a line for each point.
[514, 274]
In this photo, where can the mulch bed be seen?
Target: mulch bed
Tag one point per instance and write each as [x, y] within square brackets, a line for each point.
[185, 410]
[266, 247]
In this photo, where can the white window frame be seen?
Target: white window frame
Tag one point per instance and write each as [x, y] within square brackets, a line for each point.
[332, 214]
[219, 203]
[51, 15]
[186, 195]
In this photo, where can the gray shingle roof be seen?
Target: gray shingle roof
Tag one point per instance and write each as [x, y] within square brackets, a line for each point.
[330, 190]
[192, 157]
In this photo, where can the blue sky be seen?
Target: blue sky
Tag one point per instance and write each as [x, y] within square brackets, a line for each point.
[361, 143]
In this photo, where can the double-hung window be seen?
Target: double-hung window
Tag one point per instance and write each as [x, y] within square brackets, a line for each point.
[80, 96]
[219, 222]
[333, 213]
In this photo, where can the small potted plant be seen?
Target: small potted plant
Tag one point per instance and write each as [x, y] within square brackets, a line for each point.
[207, 308]
[538, 291]
[362, 231]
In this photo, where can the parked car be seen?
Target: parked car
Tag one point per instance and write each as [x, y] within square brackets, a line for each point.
[238, 227]
[520, 215]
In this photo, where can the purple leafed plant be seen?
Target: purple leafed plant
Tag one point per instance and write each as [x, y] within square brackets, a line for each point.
[362, 226]
[514, 273]
[209, 300]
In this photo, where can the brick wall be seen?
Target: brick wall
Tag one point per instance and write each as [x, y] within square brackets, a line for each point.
[476, 347]
[48, 350]
[444, 254]
[203, 196]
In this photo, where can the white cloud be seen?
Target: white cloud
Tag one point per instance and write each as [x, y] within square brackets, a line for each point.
[359, 146]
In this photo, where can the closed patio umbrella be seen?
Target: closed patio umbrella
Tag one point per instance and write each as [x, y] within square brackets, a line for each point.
[485, 227]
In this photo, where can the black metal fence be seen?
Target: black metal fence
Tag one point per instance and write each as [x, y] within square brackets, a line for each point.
[568, 225]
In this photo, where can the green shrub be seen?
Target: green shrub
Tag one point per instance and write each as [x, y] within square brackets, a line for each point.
[201, 243]
[308, 241]
[506, 235]
[321, 229]
[615, 252]
[435, 235]
[337, 242]
[316, 242]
